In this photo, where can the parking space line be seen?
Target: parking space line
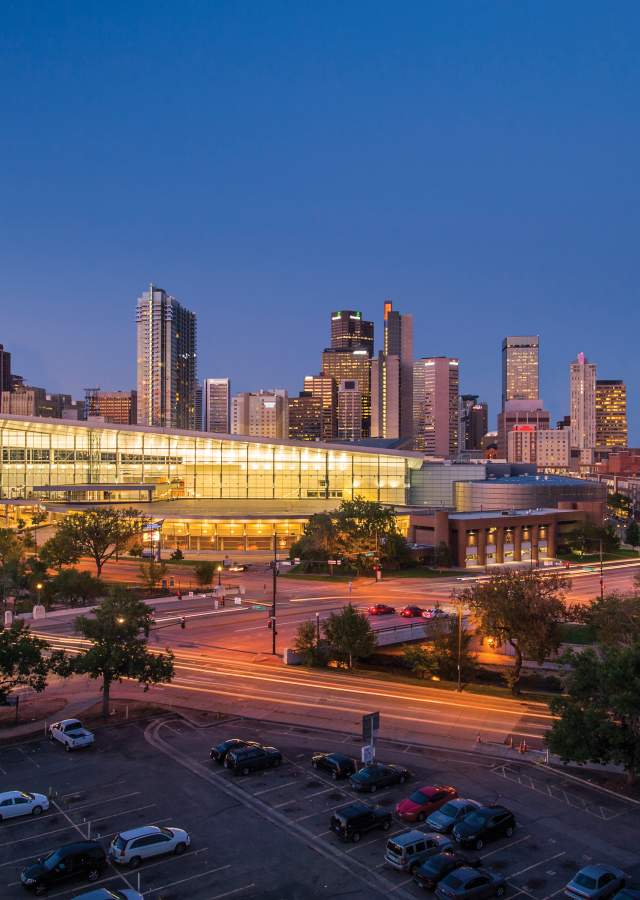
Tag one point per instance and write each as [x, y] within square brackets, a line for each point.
[555, 893]
[236, 891]
[400, 885]
[542, 862]
[521, 890]
[320, 812]
[275, 788]
[504, 846]
[363, 844]
[106, 800]
[163, 887]
[26, 756]
[323, 791]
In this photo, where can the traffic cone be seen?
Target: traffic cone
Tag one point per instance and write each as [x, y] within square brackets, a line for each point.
[523, 747]
[509, 741]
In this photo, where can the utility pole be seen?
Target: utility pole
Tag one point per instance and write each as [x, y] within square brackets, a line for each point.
[275, 587]
[601, 573]
[459, 644]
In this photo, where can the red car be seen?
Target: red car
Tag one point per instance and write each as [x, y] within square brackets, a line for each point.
[411, 612]
[381, 609]
[424, 801]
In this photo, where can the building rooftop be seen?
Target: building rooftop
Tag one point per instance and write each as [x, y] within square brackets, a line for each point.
[496, 513]
[553, 480]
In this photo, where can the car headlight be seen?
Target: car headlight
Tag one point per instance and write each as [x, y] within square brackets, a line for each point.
[28, 880]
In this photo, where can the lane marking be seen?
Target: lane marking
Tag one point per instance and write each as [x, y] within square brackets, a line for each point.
[535, 865]
[504, 846]
[245, 887]
[171, 884]
[275, 788]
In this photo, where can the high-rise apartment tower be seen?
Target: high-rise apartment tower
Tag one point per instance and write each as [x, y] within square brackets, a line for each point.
[520, 368]
[392, 378]
[349, 331]
[216, 404]
[611, 414]
[583, 403]
[436, 391]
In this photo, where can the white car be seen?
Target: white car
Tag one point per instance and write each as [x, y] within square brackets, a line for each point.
[22, 803]
[131, 847]
[109, 894]
[71, 733]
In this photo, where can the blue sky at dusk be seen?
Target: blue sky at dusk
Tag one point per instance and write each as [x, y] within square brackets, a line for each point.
[477, 162]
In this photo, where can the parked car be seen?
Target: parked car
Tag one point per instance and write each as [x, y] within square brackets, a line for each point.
[437, 867]
[252, 759]
[382, 609]
[237, 567]
[411, 612]
[484, 824]
[338, 765]
[446, 817]
[131, 847]
[407, 851]
[21, 803]
[219, 752]
[434, 613]
[110, 894]
[467, 883]
[71, 733]
[595, 882]
[371, 778]
[81, 859]
[627, 893]
[424, 801]
[351, 822]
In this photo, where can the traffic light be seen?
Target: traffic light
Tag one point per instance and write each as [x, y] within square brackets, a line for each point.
[183, 622]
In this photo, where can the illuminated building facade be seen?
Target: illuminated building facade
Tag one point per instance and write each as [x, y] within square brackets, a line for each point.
[305, 417]
[118, 407]
[325, 389]
[611, 414]
[392, 378]
[583, 403]
[436, 400]
[216, 402]
[351, 365]
[349, 331]
[520, 368]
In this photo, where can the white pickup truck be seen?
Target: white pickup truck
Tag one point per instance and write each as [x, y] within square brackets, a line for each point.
[71, 734]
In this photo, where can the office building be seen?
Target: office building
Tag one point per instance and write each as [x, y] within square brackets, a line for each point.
[5, 370]
[325, 389]
[611, 414]
[553, 448]
[264, 414]
[199, 403]
[349, 410]
[351, 365]
[349, 331]
[23, 400]
[583, 403]
[436, 398]
[305, 417]
[216, 395]
[474, 422]
[392, 378]
[520, 368]
[119, 407]
[166, 360]
[517, 414]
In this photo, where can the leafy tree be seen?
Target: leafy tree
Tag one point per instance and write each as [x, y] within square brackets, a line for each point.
[445, 648]
[204, 573]
[100, 533]
[420, 660]
[118, 633]
[394, 551]
[600, 713]
[306, 641]
[362, 526]
[522, 609]
[72, 587]
[177, 554]
[615, 619]
[37, 519]
[12, 546]
[318, 542]
[152, 573]
[349, 635]
[619, 504]
[23, 660]
[59, 551]
[632, 534]
[443, 555]
[136, 550]
[586, 537]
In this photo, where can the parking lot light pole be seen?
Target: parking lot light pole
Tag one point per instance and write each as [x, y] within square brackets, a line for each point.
[275, 587]
[318, 630]
[459, 644]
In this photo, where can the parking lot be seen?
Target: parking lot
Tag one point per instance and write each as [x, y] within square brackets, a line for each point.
[267, 834]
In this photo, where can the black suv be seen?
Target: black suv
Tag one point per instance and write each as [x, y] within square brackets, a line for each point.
[219, 752]
[352, 821]
[484, 824]
[250, 759]
[438, 867]
[339, 765]
[82, 859]
[375, 776]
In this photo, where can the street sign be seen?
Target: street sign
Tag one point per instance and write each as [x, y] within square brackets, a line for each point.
[368, 754]
[370, 727]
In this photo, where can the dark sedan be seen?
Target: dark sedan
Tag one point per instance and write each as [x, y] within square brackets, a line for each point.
[372, 778]
[219, 752]
[484, 824]
[467, 883]
[338, 765]
[438, 867]
[382, 609]
[411, 612]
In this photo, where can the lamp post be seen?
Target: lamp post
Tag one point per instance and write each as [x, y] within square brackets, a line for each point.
[459, 644]
[318, 631]
[39, 587]
[275, 587]
[219, 570]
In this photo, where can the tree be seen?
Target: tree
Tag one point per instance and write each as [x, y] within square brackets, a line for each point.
[632, 534]
[600, 712]
[118, 633]
[349, 635]
[59, 551]
[362, 527]
[615, 619]
[152, 573]
[11, 546]
[420, 660]
[306, 641]
[37, 519]
[522, 609]
[204, 572]
[587, 536]
[23, 662]
[619, 504]
[443, 556]
[318, 542]
[100, 533]
[73, 587]
[447, 648]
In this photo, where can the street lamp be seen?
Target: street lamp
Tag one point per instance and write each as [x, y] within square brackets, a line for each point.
[39, 587]
[318, 630]
[219, 570]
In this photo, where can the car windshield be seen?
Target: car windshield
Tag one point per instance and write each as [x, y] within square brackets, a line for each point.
[419, 797]
[52, 860]
[394, 848]
[475, 820]
[26, 795]
[119, 842]
[585, 880]
[166, 832]
[449, 809]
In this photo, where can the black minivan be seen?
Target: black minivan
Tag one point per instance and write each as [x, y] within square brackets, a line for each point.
[82, 859]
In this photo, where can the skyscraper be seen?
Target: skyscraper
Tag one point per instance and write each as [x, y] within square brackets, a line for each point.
[583, 403]
[167, 365]
[392, 378]
[118, 407]
[264, 414]
[474, 422]
[349, 410]
[325, 389]
[346, 365]
[5, 370]
[305, 417]
[216, 402]
[349, 331]
[436, 393]
[520, 368]
[611, 414]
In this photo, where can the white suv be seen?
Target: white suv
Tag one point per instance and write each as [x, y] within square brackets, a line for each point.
[71, 733]
[131, 847]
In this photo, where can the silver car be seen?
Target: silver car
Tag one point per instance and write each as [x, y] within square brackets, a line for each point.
[445, 818]
[595, 882]
[109, 894]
